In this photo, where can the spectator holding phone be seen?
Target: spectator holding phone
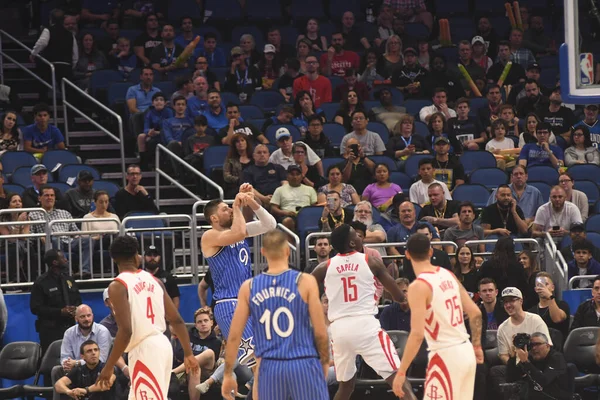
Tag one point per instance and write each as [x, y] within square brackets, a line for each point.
[358, 170]
[555, 313]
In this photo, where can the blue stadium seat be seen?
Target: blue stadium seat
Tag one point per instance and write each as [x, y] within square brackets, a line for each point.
[183, 8]
[306, 9]
[335, 82]
[397, 96]
[71, 170]
[476, 194]
[288, 35]
[308, 220]
[62, 187]
[108, 186]
[251, 111]
[369, 104]
[421, 129]
[167, 87]
[228, 97]
[149, 224]
[335, 133]
[272, 129]
[417, 30]
[385, 160]
[593, 223]
[330, 109]
[11, 160]
[102, 78]
[491, 178]
[214, 157]
[445, 8]
[414, 106]
[13, 188]
[380, 129]
[471, 160]
[267, 100]
[461, 28]
[590, 172]
[117, 92]
[478, 103]
[543, 187]
[52, 158]
[338, 7]
[593, 237]
[542, 173]
[130, 34]
[401, 179]
[22, 176]
[257, 123]
[260, 10]
[329, 161]
[411, 167]
[590, 189]
[450, 53]
[224, 10]
[491, 6]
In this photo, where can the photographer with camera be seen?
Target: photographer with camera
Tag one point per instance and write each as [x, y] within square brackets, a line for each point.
[539, 371]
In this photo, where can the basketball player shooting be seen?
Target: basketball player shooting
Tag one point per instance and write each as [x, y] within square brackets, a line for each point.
[141, 304]
[349, 281]
[289, 328]
[437, 301]
[228, 255]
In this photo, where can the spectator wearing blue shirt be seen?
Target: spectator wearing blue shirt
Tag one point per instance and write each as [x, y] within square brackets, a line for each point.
[187, 35]
[41, 136]
[583, 263]
[139, 98]
[198, 104]
[124, 60]
[174, 128]
[529, 198]
[98, 12]
[214, 55]
[542, 152]
[396, 316]
[591, 121]
[153, 123]
[408, 225]
[215, 113]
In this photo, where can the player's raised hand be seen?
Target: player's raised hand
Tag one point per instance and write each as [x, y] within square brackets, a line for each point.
[191, 365]
[246, 188]
[398, 384]
[229, 387]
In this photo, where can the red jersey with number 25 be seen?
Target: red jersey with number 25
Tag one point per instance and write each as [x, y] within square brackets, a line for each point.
[350, 286]
[146, 304]
[444, 323]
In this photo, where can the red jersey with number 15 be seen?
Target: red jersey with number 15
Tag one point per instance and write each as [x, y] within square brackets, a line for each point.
[350, 286]
[146, 304]
[444, 323]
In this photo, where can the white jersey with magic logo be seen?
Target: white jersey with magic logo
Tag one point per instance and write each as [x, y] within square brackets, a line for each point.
[350, 286]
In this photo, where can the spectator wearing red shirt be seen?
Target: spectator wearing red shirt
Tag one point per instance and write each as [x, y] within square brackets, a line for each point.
[351, 83]
[337, 60]
[318, 86]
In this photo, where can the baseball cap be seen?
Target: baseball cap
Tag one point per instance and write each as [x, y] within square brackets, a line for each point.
[577, 227]
[477, 39]
[84, 175]
[269, 48]
[282, 133]
[236, 51]
[152, 250]
[534, 66]
[591, 106]
[441, 139]
[410, 50]
[105, 294]
[512, 292]
[37, 168]
[294, 167]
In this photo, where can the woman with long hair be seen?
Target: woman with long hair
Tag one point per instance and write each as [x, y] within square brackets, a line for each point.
[581, 150]
[102, 202]
[381, 193]
[438, 127]
[313, 36]
[11, 138]
[577, 197]
[347, 192]
[16, 248]
[268, 67]
[90, 60]
[303, 49]
[465, 269]
[503, 267]
[528, 134]
[530, 267]
[392, 60]
[248, 46]
[304, 108]
[347, 106]
[310, 173]
[238, 158]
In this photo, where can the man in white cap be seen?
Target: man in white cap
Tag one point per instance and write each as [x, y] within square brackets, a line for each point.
[518, 321]
[480, 53]
[283, 155]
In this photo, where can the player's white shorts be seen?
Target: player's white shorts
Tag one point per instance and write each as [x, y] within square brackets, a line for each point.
[451, 373]
[150, 364]
[352, 336]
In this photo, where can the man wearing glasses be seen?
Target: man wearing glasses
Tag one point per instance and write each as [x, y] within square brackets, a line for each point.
[542, 152]
[133, 197]
[370, 142]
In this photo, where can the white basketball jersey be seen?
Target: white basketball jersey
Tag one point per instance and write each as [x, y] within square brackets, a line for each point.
[444, 322]
[350, 286]
[146, 304]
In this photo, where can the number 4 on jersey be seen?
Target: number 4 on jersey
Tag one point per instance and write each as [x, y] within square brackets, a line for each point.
[149, 310]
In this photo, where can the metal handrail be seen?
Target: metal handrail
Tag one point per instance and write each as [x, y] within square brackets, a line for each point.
[580, 278]
[119, 139]
[185, 164]
[558, 260]
[52, 69]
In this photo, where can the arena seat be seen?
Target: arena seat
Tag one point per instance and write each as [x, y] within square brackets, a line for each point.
[329, 161]
[397, 95]
[542, 173]
[411, 167]
[50, 359]
[421, 129]
[11, 160]
[52, 158]
[590, 172]
[267, 100]
[380, 129]
[401, 179]
[214, 157]
[13, 188]
[543, 187]
[71, 170]
[224, 10]
[391, 164]
[108, 186]
[306, 9]
[330, 109]
[251, 111]
[476, 194]
[590, 189]
[580, 349]
[18, 361]
[471, 160]
[491, 178]
[335, 133]
[22, 176]
[261, 10]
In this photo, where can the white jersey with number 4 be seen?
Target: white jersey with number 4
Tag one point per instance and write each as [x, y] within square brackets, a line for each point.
[444, 323]
[350, 286]
[146, 304]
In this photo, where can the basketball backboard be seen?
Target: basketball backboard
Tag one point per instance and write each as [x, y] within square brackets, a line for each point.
[577, 68]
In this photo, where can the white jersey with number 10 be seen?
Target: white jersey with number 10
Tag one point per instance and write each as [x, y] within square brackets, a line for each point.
[146, 304]
[350, 286]
[444, 322]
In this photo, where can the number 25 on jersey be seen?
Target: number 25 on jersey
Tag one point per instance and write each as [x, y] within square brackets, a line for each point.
[456, 313]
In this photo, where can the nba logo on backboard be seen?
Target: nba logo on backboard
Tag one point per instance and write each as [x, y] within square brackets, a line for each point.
[587, 68]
